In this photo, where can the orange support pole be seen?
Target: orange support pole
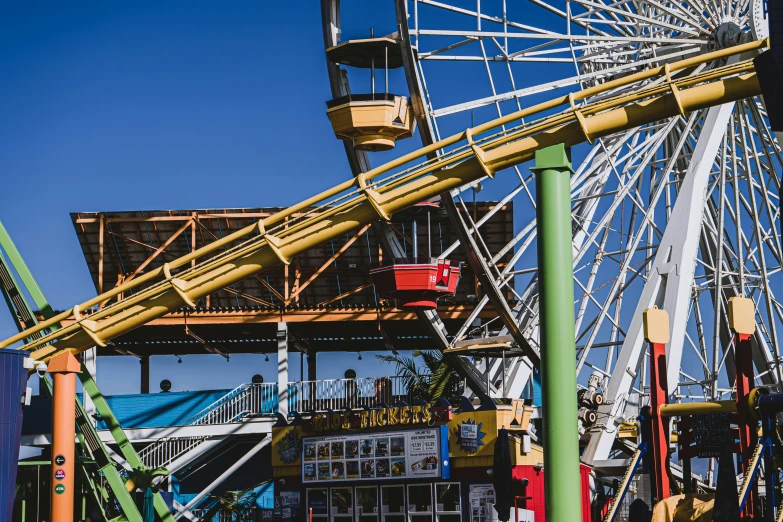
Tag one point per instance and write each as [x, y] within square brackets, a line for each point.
[656, 333]
[64, 368]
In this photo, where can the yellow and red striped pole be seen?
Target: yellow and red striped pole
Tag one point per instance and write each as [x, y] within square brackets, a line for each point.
[656, 333]
[63, 368]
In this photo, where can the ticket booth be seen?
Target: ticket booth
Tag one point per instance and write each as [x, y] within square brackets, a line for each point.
[407, 463]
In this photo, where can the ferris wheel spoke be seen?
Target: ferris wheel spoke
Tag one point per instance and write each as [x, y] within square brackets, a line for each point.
[615, 13]
[676, 10]
[479, 16]
[558, 84]
[622, 191]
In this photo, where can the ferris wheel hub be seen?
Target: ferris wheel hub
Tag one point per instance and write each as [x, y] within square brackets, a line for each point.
[727, 34]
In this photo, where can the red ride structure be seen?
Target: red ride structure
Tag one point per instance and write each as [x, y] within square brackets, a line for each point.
[416, 283]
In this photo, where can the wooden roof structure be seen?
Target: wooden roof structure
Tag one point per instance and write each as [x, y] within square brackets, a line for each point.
[326, 288]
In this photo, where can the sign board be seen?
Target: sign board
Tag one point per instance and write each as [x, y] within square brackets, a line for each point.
[473, 434]
[482, 502]
[408, 454]
[59, 460]
[287, 504]
[711, 433]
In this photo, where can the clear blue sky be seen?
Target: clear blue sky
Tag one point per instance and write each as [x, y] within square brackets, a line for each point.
[140, 105]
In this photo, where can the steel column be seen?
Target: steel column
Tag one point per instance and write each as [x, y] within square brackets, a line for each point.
[556, 280]
[145, 374]
[64, 368]
[312, 366]
[282, 368]
[742, 323]
[656, 334]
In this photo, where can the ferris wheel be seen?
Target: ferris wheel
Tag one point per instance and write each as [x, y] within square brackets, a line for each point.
[682, 214]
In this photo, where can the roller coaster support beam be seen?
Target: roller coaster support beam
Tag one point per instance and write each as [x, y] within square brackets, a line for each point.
[656, 334]
[742, 321]
[697, 408]
[64, 368]
[558, 379]
[270, 242]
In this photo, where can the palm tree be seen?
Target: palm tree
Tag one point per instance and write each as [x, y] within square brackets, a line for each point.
[440, 380]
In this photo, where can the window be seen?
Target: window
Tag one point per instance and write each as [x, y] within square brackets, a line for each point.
[341, 504]
[367, 504]
[448, 507]
[420, 503]
[393, 503]
[317, 500]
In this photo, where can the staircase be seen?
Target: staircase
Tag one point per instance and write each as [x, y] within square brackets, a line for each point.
[242, 402]
[617, 502]
[750, 473]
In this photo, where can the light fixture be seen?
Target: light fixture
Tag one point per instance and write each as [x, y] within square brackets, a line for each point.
[360, 355]
[179, 359]
[266, 358]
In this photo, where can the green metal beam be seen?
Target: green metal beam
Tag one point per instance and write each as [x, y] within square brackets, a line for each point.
[558, 373]
[87, 434]
[29, 282]
[125, 447]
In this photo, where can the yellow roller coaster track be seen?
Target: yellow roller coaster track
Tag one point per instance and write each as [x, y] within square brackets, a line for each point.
[370, 197]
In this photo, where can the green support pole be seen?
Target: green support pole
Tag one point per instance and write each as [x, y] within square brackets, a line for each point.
[558, 346]
[28, 280]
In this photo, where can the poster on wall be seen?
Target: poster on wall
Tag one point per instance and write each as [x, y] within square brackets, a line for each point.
[287, 504]
[482, 502]
[388, 455]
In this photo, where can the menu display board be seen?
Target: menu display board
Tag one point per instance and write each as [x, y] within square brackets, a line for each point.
[388, 455]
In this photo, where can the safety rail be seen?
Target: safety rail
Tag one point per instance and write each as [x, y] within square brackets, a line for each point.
[339, 394]
[165, 451]
[246, 399]
[243, 401]
[653, 95]
[259, 400]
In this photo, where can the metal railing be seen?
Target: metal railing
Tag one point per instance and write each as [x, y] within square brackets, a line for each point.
[339, 394]
[258, 400]
[242, 401]
[246, 399]
[165, 451]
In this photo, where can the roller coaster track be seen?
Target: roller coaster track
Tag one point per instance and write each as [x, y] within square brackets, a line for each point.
[377, 194]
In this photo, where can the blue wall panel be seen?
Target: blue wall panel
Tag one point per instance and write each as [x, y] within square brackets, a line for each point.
[160, 409]
[132, 411]
[13, 381]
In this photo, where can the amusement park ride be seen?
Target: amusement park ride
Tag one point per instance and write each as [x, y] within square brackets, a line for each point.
[674, 207]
